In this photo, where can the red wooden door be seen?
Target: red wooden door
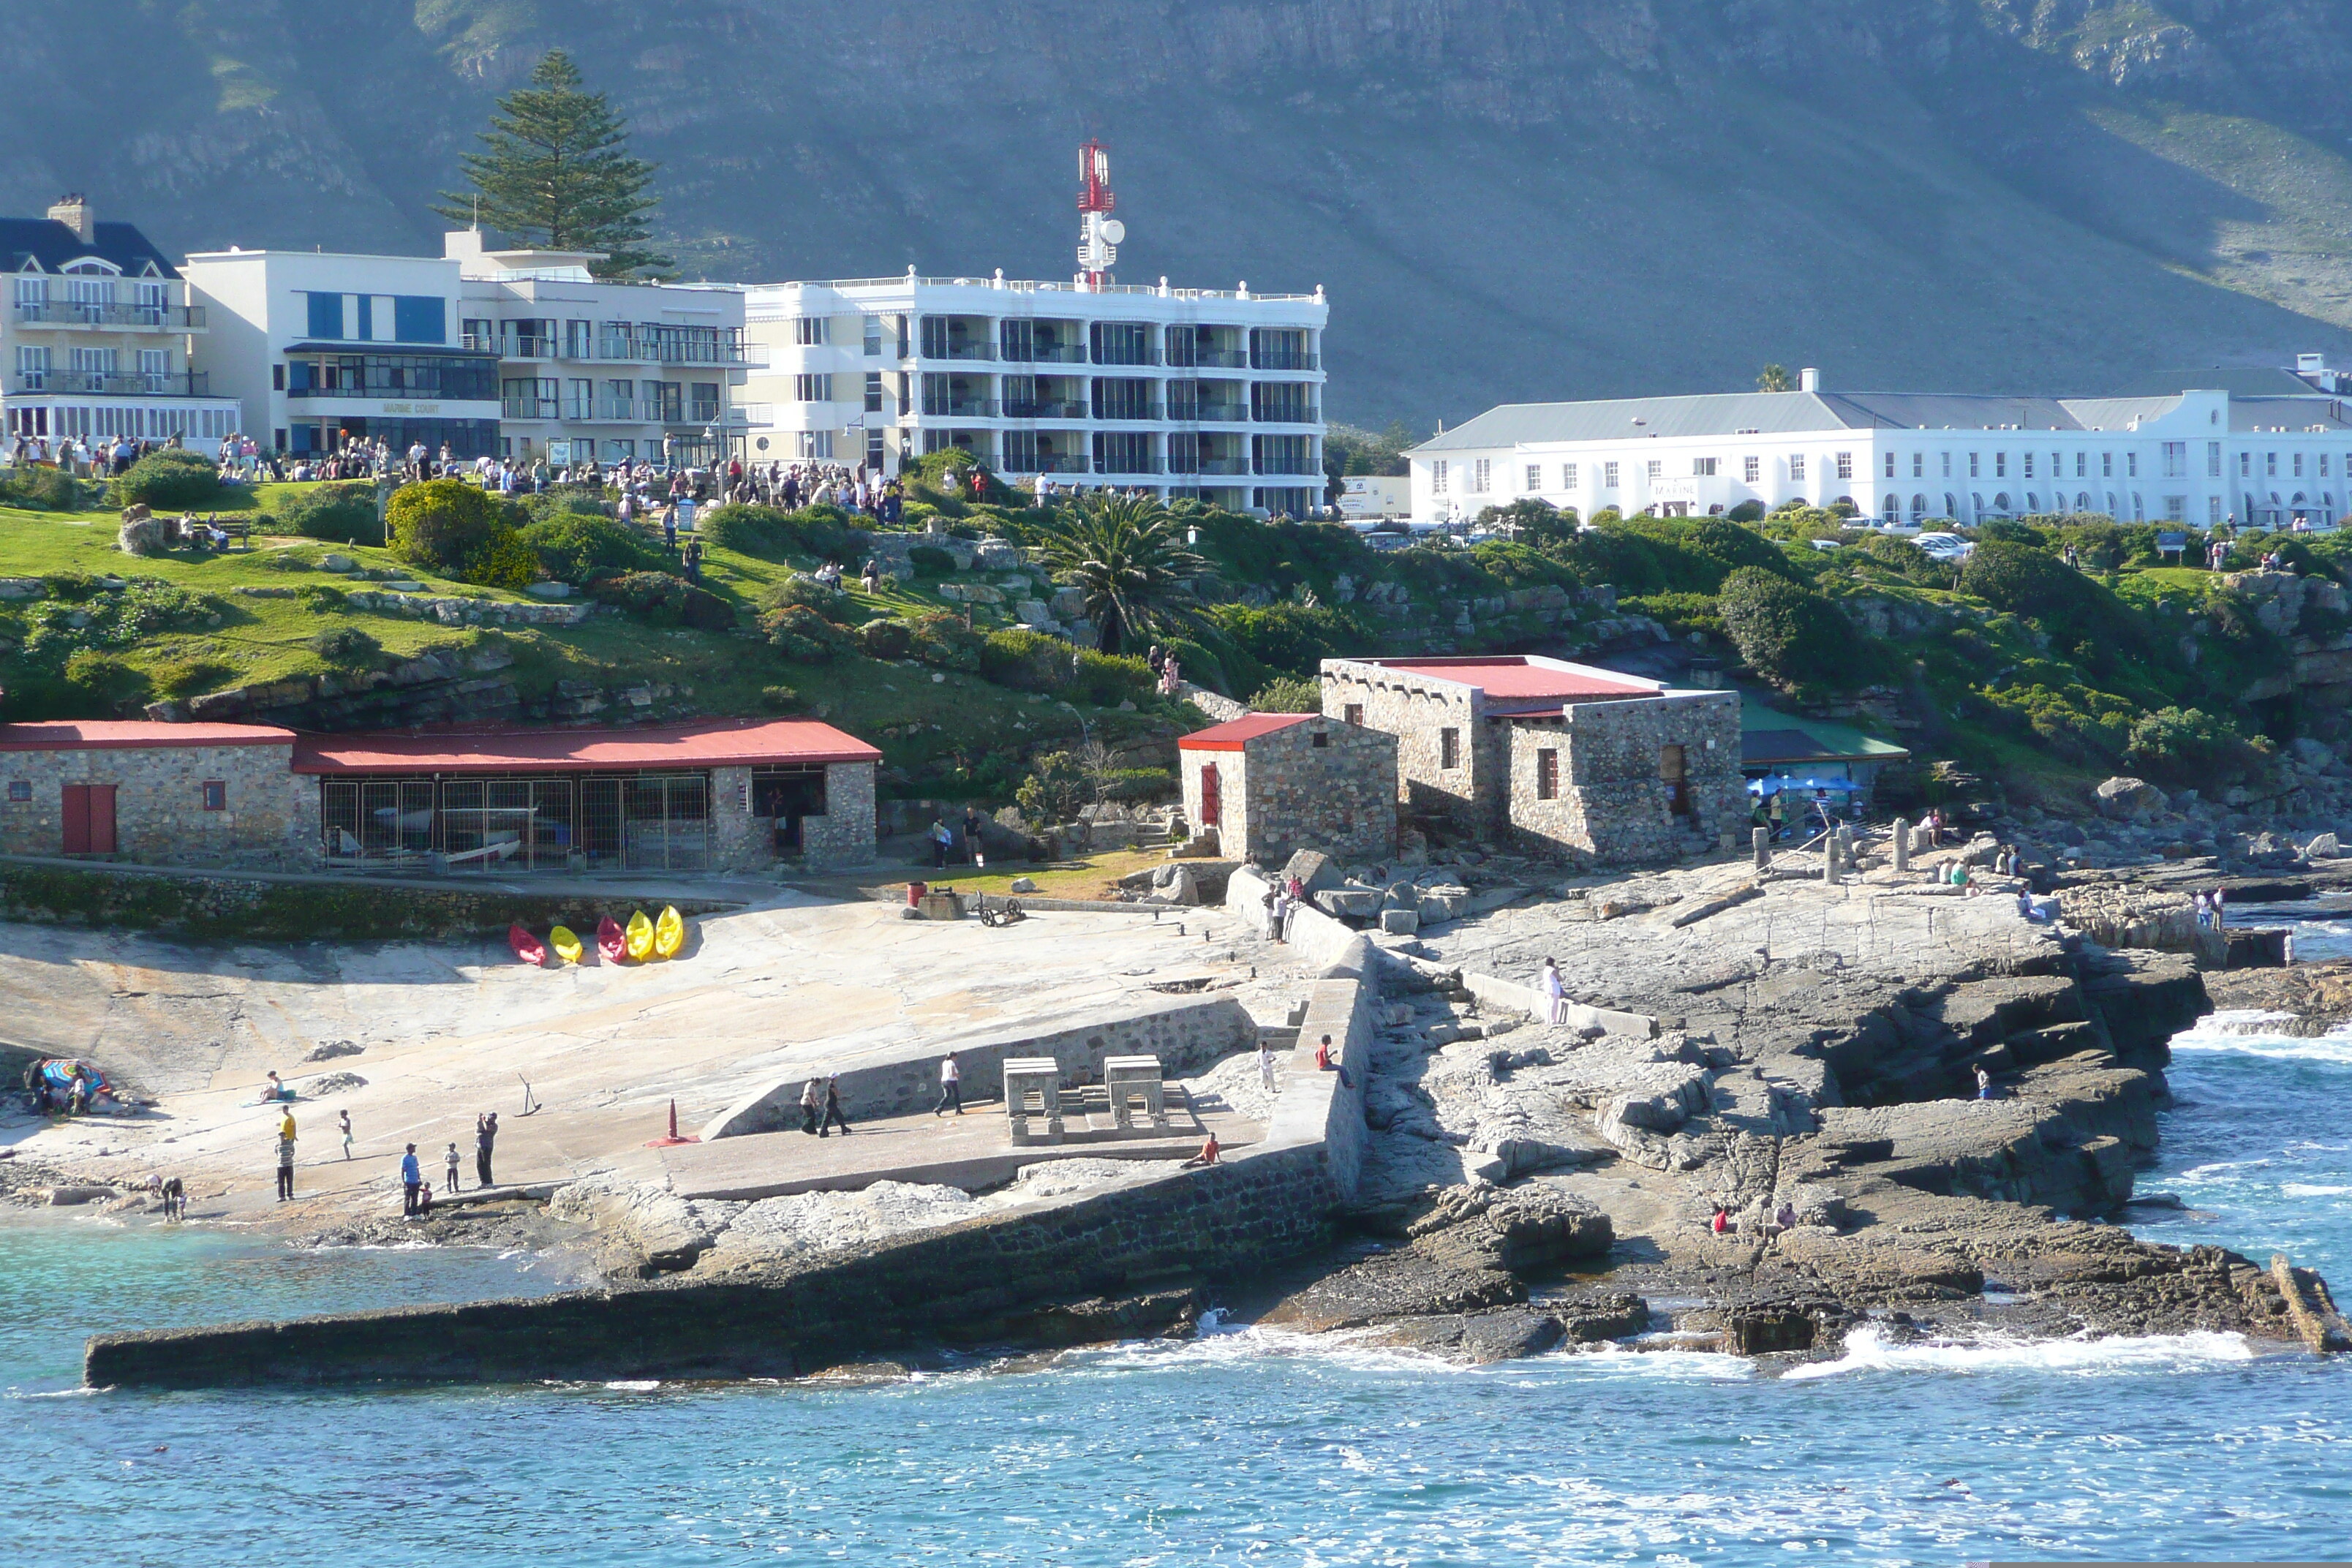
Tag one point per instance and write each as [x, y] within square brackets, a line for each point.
[89, 819]
[1212, 807]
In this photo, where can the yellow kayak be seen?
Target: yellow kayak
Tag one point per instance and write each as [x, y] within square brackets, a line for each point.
[566, 945]
[669, 932]
[640, 937]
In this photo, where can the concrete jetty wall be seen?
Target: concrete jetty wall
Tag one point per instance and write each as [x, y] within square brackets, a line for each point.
[1188, 1033]
[1109, 1264]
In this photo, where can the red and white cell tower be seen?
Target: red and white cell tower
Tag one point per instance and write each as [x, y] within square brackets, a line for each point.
[1098, 232]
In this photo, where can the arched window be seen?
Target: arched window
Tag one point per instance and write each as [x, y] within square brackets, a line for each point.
[1894, 507]
[2001, 503]
[1951, 507]
[2082, 500]
[2139, 509]
[1976, 504]
[1918, 507]
[2033, 501]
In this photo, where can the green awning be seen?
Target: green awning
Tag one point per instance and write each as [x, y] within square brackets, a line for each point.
[1773, 740]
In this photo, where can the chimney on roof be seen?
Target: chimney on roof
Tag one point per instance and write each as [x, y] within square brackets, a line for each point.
[1809, 380]
[75, 214]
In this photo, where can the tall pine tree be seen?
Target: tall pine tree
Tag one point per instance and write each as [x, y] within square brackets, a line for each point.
[556, 171]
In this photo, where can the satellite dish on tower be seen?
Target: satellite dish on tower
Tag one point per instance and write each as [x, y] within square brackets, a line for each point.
[1113, 231]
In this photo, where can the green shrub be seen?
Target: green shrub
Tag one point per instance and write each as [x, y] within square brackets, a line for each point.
[1288, 639]
[74, 587]
[505, 562]
[438, 524]
[666, 601]
[1288, 694]
[1136, 783]
[771, 534]
[1027, 661]
[800, 633]
[2022, 579]
[944, 642]
[339, 513]
[1056, 786]
[1108, 679]
[577, 547]
[833, 604]
[346, 645]
[884, 639]
[2190, 746]
[930, 561]
[780, 699]
[323, 599]
[43, 488]
[181, 677]
[1788, 634]
[110, 682]
[175, 479]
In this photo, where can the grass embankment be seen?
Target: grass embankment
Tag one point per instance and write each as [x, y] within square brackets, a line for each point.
[941, 732]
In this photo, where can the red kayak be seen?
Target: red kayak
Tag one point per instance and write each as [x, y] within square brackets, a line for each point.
[527, 947]
[610, 941]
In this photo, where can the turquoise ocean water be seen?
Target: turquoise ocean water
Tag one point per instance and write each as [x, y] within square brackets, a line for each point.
[1242, 1446]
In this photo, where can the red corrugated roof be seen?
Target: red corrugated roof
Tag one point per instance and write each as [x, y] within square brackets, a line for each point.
[1511, 676]
[715, 743]
[125, 734]
[1235, 733]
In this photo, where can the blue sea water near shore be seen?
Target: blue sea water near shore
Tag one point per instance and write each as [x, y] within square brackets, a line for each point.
[1241, 1446]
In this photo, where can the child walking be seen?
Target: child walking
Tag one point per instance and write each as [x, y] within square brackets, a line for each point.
[452, 1161]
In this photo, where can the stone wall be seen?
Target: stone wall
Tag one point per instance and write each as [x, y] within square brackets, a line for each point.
[844, 835]
[1188, 1033]
[271, 818]
[1416, 710]
[266, 906]
[1612, 805]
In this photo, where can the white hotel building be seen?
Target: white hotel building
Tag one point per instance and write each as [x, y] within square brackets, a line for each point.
[1180, 391]
[2196, 456]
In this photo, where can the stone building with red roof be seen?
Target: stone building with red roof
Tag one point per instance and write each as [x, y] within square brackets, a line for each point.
[1552, 756]
[716, 795]
[1272, 784]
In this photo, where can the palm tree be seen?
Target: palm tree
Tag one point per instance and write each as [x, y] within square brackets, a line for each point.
[1127, 554]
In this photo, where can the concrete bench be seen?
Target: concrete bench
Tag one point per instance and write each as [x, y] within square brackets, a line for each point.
[1130, 1079]
[1033, 1087]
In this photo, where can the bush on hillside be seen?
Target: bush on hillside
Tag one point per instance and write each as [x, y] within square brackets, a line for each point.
[338, 513]
[36, 487]
[1788, 635]
[176, 479]
[437, 524]
[773, 534]
[802, 635]
[505, 562]
[1056, 786]
[884, 639]
[1108, 679]
[1027, 661]
[666, 601]
[108, 682]
[781, 700]
[2190, 746]
[944, 642]
[346, 645]
[2022, 579]
[1290, 694]
[578, 547]
[1288, 639]
[833, 604]
[930, 561]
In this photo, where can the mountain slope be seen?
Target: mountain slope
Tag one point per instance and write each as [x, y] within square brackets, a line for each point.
[1505, 200]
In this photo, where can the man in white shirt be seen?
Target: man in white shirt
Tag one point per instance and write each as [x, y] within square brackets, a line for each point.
[950, 1086]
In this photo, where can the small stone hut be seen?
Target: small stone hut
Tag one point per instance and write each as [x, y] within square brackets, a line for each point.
[1552, 756]
[1272, 784]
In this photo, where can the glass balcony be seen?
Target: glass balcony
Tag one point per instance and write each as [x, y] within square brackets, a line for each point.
[1139, 412]
[1205, 412]
[1045, 408]
[75, 313]
[527, 407]
[186, 383]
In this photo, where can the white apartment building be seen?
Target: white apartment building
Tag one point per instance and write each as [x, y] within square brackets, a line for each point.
[598, 369]
[319, 347]
[515, 354]
[2196, 456]
[1181, 391]
[97, 336]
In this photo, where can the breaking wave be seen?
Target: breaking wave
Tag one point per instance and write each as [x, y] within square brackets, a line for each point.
[1869, 1349]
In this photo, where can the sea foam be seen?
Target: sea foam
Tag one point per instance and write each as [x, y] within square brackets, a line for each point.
[1870, 1349]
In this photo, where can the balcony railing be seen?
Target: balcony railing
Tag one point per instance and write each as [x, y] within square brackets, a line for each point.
[1141, 465]
[72, 314]
[1118, 356]
[606, 410]
[528, 407]
[1049, 353]
[1283, 359]
[1045, 408]
[966, 407]
[1127, 411]
[485, 393]
[1047, 463]
[1206, 413]
[1284, 414]
[186, 383]
[612, 349]
[526, 348]
[1211, 465]
[966, 350]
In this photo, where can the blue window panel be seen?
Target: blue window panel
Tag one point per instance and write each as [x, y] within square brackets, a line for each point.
[367, 317]
[326, 315]
[421, 319]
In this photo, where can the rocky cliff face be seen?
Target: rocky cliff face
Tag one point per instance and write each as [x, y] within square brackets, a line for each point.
[1507, 200]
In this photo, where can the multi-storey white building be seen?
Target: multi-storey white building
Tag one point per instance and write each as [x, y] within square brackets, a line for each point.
[517, 353]
[97, 337]
[322, 348]
[2196, 456]
[1181, 391]
[597, 369]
